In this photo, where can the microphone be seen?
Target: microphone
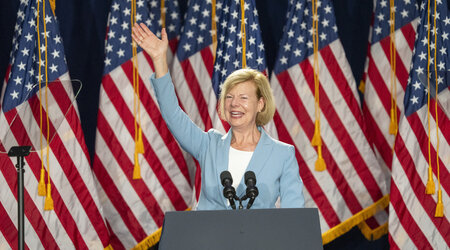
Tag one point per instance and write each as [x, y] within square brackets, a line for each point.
[251, 191]
[228, 190]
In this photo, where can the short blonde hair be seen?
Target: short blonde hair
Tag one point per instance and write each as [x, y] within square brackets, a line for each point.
[262, 90]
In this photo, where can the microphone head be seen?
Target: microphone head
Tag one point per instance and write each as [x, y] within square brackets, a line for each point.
[224, 176]
[249, 175]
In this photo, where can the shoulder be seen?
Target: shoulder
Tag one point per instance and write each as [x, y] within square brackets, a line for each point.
[280, 146]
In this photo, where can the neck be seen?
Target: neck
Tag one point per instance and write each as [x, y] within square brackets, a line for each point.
[245, 140]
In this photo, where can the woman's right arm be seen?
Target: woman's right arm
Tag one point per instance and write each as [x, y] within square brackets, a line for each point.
[191, 138]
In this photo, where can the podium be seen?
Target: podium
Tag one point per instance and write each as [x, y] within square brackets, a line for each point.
[284, 228]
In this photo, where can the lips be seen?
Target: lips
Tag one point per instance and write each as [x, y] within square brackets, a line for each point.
[236, 114]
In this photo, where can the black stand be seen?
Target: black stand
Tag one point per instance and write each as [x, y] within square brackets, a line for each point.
[20, 152]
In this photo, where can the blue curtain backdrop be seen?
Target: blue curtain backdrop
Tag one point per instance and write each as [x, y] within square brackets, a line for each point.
[83, 28]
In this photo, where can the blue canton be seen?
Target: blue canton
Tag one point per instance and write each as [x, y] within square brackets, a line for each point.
[416, 91]
[229, 48]
[405, 12]
[23, 81]
[118, 47]
[297, 43]
[196, 32]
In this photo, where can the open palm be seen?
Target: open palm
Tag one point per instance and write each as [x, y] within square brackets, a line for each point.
[155, 47]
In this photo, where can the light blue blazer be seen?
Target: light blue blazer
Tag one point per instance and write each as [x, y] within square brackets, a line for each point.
[274, 162]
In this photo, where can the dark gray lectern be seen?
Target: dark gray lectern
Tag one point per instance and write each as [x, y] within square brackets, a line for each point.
[288, 228]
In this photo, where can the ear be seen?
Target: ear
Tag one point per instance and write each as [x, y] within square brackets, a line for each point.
[261, 104]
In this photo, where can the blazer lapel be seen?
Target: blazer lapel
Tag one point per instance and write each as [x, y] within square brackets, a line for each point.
[260, 156]
[222, 161]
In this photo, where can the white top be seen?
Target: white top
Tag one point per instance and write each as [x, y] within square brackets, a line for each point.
[237, 164]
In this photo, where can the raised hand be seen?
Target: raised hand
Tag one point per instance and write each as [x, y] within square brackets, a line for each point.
[155, 47]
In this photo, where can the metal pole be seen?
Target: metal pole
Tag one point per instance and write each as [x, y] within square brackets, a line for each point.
[20, 173]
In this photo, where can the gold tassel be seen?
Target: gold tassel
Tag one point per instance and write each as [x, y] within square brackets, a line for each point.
[320, 162]
[140, 143]
[316, 141]
[430, 183]
[393, 125]
[137, 168]
[41, 185]
[48, 199]
[439, 205]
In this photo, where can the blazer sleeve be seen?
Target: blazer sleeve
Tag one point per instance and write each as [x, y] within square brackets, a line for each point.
[191, 138]
[291, 185]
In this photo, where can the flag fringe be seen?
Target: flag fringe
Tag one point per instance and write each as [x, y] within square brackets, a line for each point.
[356, 219]
[149, 241]
[373, 234]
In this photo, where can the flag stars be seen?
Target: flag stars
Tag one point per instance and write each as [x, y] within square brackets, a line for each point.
[115, 6]
[254, 26]
[249, 55]
[124, 25]
[416, 85]
[187, 47]
[126, 12]
[196, 7]
[48, 19]
[18, 80]
[55, 53]
[200, 40]
[113, 20]
[380, 17]
[140, 3]
[25, 52]
[290, 33]
[327, 9]
[297, 52]
[441, 66]
[193, 21]
[29, 37]
[300, 39]
[57, 39]
[29, 86]
[122, 39]
[54, 68]
[229, 43]
[120, 53]
[294, 20]
[205, 13]
[419, 70]
[111, 34]
[287, 47]
[440, 80]
[422, 56]
[383, 3]
[325, 22]
[323, 36]
[171, 27]
[443, 51]
[309, 44]
[202, 26]
[21, 66]
[446, 21]
[251, 41]
[235, 14]
[260, 60]
[190, 34]
[232, 28]
[404, 13]
[15, 95]
[283, 60]
[109, 47]
[444, 36]
[414, 100]
[107, 61]
[236, 64]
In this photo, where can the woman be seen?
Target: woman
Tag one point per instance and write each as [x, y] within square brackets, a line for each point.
[246, 103]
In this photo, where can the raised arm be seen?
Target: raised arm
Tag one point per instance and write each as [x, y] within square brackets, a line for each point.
[155, 47]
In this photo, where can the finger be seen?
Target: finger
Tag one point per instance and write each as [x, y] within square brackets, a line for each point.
[138, 31]
[135, 38]
[146, 30]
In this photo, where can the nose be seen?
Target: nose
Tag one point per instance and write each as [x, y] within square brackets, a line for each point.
[234, 102]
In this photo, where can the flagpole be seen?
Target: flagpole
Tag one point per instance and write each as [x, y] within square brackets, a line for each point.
[20, 152]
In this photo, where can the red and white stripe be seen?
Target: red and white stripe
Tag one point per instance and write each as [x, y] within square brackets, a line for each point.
[192, 80]
[412, 224]
[353, 179]
[135, 209]
[377, 94]
[76, 221]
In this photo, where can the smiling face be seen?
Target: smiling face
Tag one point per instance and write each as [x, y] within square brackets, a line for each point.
[242, 105]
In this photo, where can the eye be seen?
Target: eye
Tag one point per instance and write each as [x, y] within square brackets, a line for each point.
[244, 97]
[228, 97]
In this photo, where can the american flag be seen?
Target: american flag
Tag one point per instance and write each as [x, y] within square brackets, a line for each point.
[377, 95]
[76, 220]
[353, 179]
[192, 70]
[230, 47]
[412, 221]
[134, 208]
